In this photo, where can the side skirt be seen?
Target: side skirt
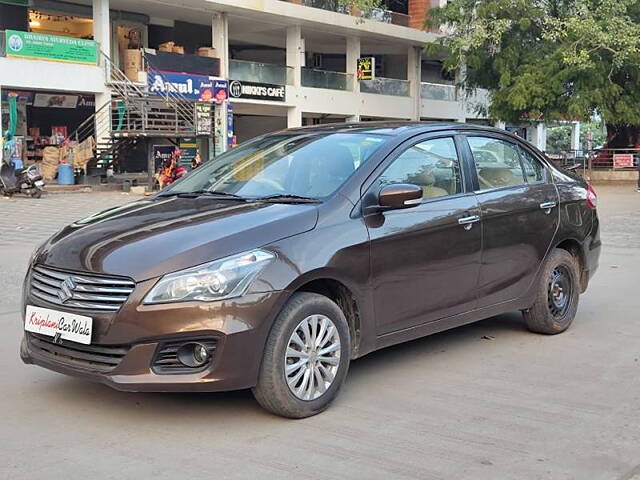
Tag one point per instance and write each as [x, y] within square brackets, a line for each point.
[443, 324]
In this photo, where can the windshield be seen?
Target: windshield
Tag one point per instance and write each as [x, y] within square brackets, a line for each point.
[303, 164]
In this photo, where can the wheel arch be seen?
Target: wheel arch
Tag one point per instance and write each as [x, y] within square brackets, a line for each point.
[343, 296]
[575, 248]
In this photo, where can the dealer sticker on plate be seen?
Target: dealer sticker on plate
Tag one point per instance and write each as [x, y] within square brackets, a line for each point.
[52, 323]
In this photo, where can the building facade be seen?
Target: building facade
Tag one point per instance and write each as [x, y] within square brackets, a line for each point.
[286, 63]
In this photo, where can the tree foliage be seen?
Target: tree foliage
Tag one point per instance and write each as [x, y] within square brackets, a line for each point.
[592, 135]
[546, 59]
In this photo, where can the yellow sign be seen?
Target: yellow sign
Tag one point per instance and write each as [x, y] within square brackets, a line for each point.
[366, 68]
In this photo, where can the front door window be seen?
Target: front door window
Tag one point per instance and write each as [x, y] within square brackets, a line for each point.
[497, 163]
[432, 165]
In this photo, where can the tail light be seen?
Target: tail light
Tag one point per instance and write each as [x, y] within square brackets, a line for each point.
[592, 198]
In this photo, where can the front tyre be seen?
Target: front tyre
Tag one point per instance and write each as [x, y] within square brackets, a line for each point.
[558, 292]
[306, 357]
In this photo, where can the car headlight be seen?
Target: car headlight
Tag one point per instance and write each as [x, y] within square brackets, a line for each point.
[225, 278]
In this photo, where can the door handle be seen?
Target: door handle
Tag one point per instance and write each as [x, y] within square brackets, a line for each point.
[468, 221]
[547, 206]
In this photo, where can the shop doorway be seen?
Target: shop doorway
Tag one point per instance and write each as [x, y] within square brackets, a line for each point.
[45, 121]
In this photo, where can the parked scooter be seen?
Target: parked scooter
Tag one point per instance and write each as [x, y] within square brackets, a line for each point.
[22, 180]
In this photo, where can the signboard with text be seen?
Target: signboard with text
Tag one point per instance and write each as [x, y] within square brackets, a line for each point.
[191, 86]
[41, 46]
[203, 119]
[623, 160]
[162, 153]
[366, 68]
[256, 91]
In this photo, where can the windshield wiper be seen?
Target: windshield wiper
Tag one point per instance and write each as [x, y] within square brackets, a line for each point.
[198, 193]
[287, 198]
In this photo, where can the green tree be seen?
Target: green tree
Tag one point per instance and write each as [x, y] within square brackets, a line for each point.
[592, 135]
[548, 59]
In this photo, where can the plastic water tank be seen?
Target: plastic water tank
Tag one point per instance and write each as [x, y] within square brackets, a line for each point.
[65, 174]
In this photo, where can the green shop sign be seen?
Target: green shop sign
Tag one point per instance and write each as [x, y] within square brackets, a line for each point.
[41, 46]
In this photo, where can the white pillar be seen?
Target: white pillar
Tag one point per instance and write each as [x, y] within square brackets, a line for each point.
[538, 135]
[414, 75]
[294, 117]
[220, 41]
[295, 53]
[500, 124]
[575, 136]
[101, 25]
[353, 54]
[102, 35]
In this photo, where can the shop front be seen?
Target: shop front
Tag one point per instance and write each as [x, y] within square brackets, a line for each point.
[258, 107]
[43, 122]
[204, 95]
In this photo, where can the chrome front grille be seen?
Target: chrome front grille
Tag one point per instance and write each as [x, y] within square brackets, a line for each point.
[79, 290]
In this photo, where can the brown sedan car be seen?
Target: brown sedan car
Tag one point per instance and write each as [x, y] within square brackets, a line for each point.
[276, 264]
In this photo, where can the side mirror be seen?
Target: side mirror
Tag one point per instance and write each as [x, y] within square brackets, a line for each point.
[399, 195]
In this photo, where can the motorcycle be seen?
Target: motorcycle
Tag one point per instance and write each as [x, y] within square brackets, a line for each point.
[23, 180]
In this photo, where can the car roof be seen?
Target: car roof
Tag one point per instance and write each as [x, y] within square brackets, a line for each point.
[392, 128]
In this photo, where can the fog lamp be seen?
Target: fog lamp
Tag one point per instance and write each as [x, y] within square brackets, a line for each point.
[193, 355]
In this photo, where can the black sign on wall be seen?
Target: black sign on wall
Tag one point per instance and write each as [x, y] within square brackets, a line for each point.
[256, 91]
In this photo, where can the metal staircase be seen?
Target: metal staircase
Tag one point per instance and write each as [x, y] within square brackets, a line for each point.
[132, 114]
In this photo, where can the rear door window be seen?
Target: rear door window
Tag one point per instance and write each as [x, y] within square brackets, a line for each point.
[533, 169]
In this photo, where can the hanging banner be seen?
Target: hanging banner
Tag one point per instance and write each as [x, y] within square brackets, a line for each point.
[203, 119]
[41, 46]
[55, 101]
[231, 138]
[193, 87]
[366, 68]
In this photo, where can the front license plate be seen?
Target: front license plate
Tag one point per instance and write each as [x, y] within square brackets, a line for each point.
[38, 183]
[52, 323]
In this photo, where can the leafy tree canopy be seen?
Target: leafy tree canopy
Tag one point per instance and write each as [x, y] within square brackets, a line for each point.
[546, 59]
[592, 135]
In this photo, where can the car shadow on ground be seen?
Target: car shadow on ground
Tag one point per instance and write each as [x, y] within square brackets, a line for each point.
[82, 394]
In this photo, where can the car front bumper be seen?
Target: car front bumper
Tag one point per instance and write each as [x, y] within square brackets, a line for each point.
[239, 326]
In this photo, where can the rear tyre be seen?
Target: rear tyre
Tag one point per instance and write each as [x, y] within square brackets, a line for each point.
[306, 357]
[558, 293]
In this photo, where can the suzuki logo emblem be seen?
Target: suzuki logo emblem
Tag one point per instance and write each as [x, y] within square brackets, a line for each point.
[66, 289]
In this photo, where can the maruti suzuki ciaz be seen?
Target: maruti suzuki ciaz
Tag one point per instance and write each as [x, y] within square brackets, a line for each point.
[274, 265]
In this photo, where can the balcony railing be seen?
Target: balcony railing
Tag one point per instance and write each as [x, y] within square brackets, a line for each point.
[377, 14]
[260, 72]
[386, 16]
[326, 79]
[386, 86]
[438, 91]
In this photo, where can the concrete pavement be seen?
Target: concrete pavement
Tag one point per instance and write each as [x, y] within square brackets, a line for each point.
[486, 401]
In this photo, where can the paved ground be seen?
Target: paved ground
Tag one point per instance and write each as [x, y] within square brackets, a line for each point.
[455, 405]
